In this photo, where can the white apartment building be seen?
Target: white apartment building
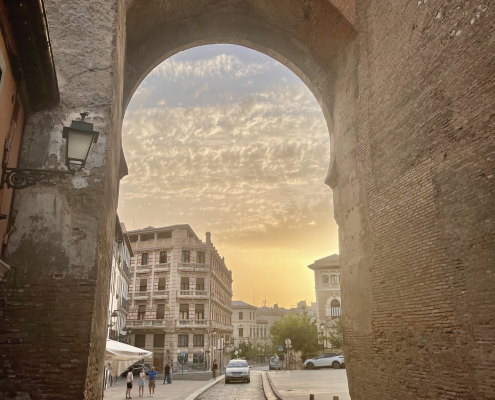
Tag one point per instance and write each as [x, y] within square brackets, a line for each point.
[327, 287]
[120, 279]
[181, 298]
[248, 327]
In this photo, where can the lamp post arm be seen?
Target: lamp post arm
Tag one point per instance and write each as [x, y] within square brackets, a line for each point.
[19, 178]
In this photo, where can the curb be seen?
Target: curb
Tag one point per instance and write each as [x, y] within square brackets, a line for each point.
[194, 395]
[271, 392]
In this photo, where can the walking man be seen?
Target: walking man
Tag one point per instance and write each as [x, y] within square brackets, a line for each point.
[152, 375]
[168, 375]
[214, 369]
[130, 378]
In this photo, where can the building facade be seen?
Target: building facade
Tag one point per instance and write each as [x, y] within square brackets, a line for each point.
[248, 326]
[180, 298]
[118, 307]
[327, 288]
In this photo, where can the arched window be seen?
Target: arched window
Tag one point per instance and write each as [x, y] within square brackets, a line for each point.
[335, 308]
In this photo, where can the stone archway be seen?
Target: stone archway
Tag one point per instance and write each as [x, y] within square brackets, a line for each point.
[403, 86]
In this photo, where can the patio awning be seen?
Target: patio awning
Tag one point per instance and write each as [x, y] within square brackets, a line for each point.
[118, 356]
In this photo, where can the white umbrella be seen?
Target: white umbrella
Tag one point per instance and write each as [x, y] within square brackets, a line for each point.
[118, 356]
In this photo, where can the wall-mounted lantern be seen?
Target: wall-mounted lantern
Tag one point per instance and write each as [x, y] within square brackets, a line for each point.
[79, 138]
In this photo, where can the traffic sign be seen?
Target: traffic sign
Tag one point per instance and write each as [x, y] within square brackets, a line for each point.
[280, 347]
[183, 353]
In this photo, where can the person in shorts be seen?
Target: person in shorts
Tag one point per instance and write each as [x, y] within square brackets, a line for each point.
[152, 383]
[142, 378]
[130, 378]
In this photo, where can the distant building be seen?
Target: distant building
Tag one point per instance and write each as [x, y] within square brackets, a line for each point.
[181, 297]
[327, 287]
[248, 326]
[120, 278]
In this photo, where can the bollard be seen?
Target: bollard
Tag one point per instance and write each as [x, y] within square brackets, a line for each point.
[311, 397]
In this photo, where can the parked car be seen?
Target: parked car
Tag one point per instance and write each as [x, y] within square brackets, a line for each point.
[136, 369]
[273, 364]
[237, 370]
[327, 360]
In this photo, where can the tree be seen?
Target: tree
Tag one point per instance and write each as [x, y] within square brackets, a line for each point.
[336, 333]
[300, 329]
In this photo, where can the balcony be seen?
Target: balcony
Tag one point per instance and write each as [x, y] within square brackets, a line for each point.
[141, 295]
[192, 294]
[150, 244]
[157, 323]
[162, 267]
[143, 268]
[126, 270]
[160, 294]
[124, 305]
[183, 266]
[189, 323]
[221, 326]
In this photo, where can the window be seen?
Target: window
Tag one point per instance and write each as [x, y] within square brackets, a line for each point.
[186, 256]
[184, 283]
[145, 238]
[145, 259]
[241, 315]
[159, 340]
[324, 278]
[141, 312]
[241, 332]
[163, 257]
[183, 340]
[184, 311]
[335, 308]
[140, 340]
[200, 283]
[199, 310]
[143, 285]
[161, 283]
[165, 235]
[201, 257]
[160, 311]
[133, 239]
[199, 340]
[333, 278]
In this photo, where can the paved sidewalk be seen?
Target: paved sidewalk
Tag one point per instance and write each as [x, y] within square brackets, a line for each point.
[176, 391]
[323, 383]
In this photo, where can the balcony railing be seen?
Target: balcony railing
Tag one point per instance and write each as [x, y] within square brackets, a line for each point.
[141, 295]
[124, 304]
[162, 267]
[197, 294]
[150, 323]
[160, 293]
[143, 268]
[149, 244]
[184, 266]
[221, 326]
[126, 270]
[191, 322]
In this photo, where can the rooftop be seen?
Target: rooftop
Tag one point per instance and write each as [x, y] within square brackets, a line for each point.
[242, 304]
[332, 262]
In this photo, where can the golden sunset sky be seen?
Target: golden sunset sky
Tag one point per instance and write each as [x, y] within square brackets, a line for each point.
[230, 141]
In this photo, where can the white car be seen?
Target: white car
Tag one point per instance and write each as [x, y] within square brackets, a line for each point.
[327, 360]
[237, 370]
[274, 364]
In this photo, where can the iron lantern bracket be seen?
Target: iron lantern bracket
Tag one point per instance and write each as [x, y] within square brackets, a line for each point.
[20, 178]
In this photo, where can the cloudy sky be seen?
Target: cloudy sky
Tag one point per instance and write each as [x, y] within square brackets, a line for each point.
[230, 141]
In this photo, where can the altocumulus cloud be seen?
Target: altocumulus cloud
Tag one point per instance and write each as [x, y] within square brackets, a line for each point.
[237, 160]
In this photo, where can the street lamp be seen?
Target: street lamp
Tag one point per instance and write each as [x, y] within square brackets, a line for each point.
[322, 327]
[79, 138]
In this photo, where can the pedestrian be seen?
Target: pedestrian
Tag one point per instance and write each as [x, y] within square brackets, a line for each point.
[214, 369]
[152, 376]
[142, 378]
[168, 374]
[130, 378]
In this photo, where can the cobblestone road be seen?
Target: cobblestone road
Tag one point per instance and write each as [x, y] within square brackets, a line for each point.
[236, 391]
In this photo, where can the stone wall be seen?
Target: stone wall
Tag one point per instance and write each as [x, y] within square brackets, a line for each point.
[427, 149]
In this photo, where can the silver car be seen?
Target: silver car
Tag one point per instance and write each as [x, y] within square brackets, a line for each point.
[237, 370]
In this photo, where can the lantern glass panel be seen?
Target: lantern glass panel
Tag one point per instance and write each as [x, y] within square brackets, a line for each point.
[78, 145]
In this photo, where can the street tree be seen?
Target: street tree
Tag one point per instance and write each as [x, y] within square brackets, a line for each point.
[335, 333]
[300, 329]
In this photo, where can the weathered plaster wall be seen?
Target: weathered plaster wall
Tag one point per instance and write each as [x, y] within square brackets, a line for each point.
[53, 333]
